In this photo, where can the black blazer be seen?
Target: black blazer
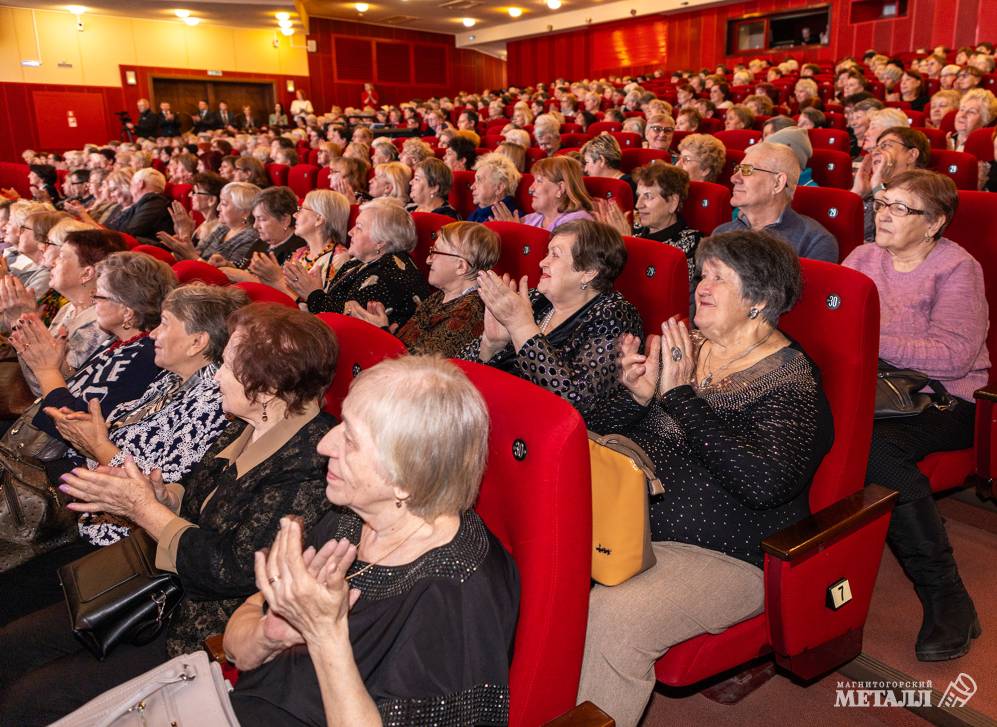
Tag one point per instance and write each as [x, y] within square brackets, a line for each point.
[206, 122]
[225, 122]
[169, 127]
[144, 218]
[245, 123]
[147, 125]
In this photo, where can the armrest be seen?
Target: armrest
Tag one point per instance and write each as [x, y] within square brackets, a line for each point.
[983, 438]
[585, 714]
[810, 534]
[216, 652]
[987, 393]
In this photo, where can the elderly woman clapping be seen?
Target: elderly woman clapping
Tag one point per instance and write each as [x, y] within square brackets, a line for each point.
[495, 182]
[233, 238]
[563, 335]
[453, 316]
[381, 268]
[736, 423]
[559, 195]
[398, 583]
[207, 527]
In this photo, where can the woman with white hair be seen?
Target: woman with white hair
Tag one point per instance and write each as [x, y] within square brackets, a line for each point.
[879, 121]
[520, 137]
[381, 267]
[391, 179]
[495, 181]
[234, 237]
[977, 109]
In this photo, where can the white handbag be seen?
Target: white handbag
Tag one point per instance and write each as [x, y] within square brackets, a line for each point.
[188, 691]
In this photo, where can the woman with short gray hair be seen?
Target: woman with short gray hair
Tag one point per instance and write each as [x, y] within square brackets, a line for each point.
[233, 239]
[496, 180]
[381, 267]
[736, 423]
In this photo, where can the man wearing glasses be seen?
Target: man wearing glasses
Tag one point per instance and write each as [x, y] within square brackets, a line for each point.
[897, 150]
[763, 190]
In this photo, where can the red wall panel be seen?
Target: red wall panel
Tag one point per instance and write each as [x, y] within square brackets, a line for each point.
[420, 65]
[69, 119]
[697, 39]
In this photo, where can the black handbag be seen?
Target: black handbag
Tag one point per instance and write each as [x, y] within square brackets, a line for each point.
[117, 595]
[899, 393]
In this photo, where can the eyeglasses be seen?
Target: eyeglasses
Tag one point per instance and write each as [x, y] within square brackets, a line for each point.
[897, 209]
[746, 170]
[106, 299]
[885, 145]
[661, 129]
[434, 251]
[201, 194]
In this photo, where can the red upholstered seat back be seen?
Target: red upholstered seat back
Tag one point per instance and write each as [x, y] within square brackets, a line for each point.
[627, 139]
[536, 498]
[302, 178]
[600, 126]
[361, 345]
[936, 137]
[739, 138]
[707, 206]
[426, 224]
[835, 300]
[633, 158]
[959, 165]
[523, 247]
[156, 252]
[656, 280]
[836, 139]
[832, 168]
[180, 193]
[975, 228]
[732, 158]
[839, 210]
[260, 293]
[188, 271]
[523, 195]
[322, 178]
[614, 189]
[278, 174]
[981, 144]
[460, 193]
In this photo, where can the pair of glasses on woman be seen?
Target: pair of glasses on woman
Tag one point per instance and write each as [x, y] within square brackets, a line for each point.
[897, 209]
[434, 251]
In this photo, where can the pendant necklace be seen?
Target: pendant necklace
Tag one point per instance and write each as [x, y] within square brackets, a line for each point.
[709, 377]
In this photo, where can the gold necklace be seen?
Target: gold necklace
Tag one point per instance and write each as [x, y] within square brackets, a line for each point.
[709, 377]
[385, 556]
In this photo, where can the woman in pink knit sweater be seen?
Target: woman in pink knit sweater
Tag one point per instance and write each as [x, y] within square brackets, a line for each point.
[934, 319]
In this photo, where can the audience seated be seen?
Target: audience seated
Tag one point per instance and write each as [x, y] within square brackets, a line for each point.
[764, 201]
[558, 194]
[977, 108]
[563, 335]
[737, 447]
[430, 188]
[896, 151]
[702, 156]
[262, 466]
[233, 239]
[148, 214]
[496, 179]
[934, 319]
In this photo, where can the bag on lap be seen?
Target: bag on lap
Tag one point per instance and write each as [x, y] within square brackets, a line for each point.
[899, 393]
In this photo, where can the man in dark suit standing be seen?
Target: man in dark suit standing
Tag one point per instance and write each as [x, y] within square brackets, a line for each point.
[225, 118]
[205, 119]
[169, 122]
[246, 121]
[147, 124]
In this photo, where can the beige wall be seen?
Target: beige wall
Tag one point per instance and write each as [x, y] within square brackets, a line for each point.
[108, 41]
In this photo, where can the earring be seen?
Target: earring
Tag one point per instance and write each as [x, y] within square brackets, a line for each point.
[753, 313]
[398, 504]
[265, 417]
[126, 326]
[585, 286]
[400, 500]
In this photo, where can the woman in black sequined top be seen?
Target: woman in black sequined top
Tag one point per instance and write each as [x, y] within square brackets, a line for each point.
[402, 610]
[564, 335]
[735, 420]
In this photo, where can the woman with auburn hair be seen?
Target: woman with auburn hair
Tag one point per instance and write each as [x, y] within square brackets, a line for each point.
[559, 195]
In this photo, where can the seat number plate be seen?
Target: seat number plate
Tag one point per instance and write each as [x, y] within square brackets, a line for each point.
[838, 594]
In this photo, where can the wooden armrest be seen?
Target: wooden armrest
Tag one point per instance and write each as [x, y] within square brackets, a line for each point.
[216, 652]
[987, 393]
[585, 714]
[846, 515]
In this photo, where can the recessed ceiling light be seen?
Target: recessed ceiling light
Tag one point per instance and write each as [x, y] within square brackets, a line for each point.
[76, 9]
[287, 31]
[282, 16]
[554, 4]
[362, 7]
[192, 21]
[468, 22]
[285, 23]
[182, 13]
[472, 36]
[515, 12]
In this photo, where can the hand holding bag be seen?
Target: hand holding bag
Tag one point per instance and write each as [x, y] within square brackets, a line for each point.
[623, 477]
[187, 690]
[116, 594]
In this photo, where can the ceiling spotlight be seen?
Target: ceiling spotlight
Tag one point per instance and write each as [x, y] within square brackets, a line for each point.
[515, 12]
[468, 22]
[192, 21]
[362, 7]
[182, 13]
[76, 9]
[282, 16]
[472, 36]
[285, 23]
[287, 31]
[553, 4]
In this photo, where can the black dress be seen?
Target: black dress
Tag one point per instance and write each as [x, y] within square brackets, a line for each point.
[432, 639]
[679, 235]
[392, 279]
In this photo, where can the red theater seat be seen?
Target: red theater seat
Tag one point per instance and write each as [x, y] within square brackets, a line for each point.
[523, 247]
[839, 210]
[427, 224]
[277, 173]
[614, 189]
[739, 138]
[322, 178]
[936, 137]
[180, 193]
[627, 139]
[523, 196]
[159, 253]
[260, 293]
[460, 193]
[600, 126]
[831, 168]
[189, 271]
[981, 144]
[536, 498]
[656, 280]
[361, 345]
[707, 206]
[302, 179]
[844, 538]
[633, 158]
[959, 165]
[835, 139]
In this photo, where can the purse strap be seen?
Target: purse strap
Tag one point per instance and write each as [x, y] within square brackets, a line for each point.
[638, 457]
